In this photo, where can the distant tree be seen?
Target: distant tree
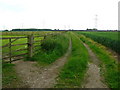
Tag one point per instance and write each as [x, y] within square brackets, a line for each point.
[94, 28]
[89, 29]
[31, 29]
[5, 30]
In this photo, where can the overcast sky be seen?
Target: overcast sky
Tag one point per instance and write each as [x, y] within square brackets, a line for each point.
[59, 14]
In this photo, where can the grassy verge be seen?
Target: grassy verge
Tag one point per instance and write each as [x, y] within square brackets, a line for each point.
[109, 66]
[51, 48]
[72, 74]
[10, 78]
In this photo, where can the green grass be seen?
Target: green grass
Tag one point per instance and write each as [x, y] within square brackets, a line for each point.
[52, 48]
[10, 78]
[109, 65]
[72, 74]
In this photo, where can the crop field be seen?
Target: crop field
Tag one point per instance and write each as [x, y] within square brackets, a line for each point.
[109, 39]
[59, 59]
[110, 35]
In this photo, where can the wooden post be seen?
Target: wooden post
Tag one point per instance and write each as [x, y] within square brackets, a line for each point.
[45, 37]
[30, 45]
[10, 49]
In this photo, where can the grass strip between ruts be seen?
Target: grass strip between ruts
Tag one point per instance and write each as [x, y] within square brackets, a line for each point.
[72, 74]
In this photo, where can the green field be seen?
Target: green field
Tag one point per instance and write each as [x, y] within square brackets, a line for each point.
[109, 39]
[5, 50]
[72, 74]
[23, 33]
[110, 35]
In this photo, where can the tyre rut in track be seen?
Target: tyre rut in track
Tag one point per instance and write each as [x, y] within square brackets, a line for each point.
[35, 77]
[93, 78]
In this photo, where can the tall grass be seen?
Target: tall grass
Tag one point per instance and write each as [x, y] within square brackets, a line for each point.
[52, 48]
[109, 66]
[72, 74]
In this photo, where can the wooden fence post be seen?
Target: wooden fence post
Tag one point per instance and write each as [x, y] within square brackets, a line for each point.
[10, 49]
[45, 37]
[30, 45]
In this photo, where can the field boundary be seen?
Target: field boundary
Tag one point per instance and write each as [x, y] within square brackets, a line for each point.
[8, 57]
